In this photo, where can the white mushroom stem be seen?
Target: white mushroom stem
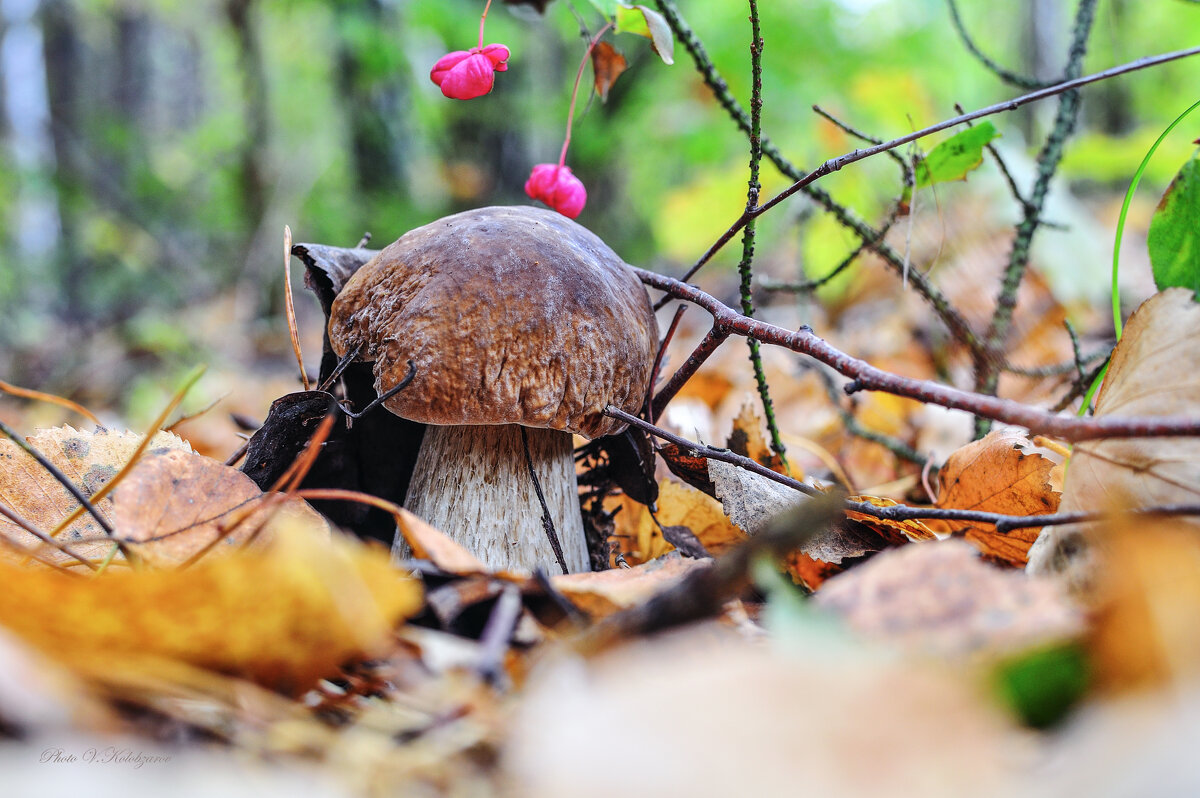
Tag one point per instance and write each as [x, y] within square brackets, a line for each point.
[472, 482]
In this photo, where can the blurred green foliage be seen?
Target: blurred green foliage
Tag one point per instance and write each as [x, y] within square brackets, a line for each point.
[182, 136]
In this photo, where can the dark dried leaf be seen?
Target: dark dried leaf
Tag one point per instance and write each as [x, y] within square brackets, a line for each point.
[689, 467]
[685, 541]
[607, 66]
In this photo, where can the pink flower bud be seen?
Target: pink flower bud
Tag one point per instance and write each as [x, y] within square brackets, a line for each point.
[558, 188]
[465, 75]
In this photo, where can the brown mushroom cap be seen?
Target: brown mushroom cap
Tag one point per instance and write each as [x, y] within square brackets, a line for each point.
[511, 315]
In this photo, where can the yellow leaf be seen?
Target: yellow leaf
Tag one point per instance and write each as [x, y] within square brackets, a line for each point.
[283, 615]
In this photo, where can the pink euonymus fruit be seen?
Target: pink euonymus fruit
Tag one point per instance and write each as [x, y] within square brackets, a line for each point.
[467, 74]
[554, 185]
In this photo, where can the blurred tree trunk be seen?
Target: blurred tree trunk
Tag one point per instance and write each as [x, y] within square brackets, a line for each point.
[243, 20]
[372, 103]
[63, 57]
[1113, 112]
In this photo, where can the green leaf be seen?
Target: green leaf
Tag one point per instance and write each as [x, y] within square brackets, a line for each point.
[649, 23]
[1174, 237]
[957, 155]
[606, 7]
[1042, 685]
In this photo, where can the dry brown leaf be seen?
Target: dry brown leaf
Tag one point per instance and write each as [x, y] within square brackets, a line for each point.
[174, 505]
[283, 615]
[90, 460]
[1002, 473]
[607, 66]
[942, 599]
[604, 592]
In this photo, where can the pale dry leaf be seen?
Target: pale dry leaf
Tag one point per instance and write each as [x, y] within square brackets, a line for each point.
[1001, 473]
[750, 500]
[1155, 371]
[90, 460]
[605, 592]
[701, 713]
[942, 599]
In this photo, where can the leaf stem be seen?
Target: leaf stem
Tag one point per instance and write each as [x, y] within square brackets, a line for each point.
[562, 158]
[482, 20]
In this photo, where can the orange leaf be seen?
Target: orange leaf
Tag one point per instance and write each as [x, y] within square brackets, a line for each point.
[607, 66]
[1002, 473]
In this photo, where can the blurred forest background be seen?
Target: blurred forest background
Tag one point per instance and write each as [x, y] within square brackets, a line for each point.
[151, 151]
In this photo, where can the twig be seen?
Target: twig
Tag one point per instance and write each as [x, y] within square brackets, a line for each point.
[497, 632]
[648, 402]
[987, 376]
[745, 266]
[949, 316]
[547, 521]
[864, 376]
[835, 164]
[1008, 76]
[703, 591]
[84, 502]
[896, 512]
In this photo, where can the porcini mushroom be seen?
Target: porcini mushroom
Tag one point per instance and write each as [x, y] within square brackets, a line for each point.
[514, 317]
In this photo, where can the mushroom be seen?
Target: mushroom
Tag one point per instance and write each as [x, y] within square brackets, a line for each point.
[522, 326]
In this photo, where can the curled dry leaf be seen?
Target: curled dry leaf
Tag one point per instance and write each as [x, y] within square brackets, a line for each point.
[90, 460]
[942, 599]
[607, 66]
[1001, 473]
[896, 532]
[283, 615]
[1155, 371]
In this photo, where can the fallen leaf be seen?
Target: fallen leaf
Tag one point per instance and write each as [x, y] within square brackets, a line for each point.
[604, 592]
[1147, 591]
[1001, 473]
[700, 713]
[896, 532]
[751, 501]
[607, 66]
[942, 599]
[430, 543]
[283, 615]
[1155, 371]
[90, 460]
